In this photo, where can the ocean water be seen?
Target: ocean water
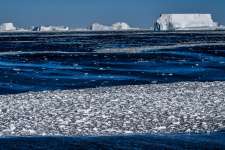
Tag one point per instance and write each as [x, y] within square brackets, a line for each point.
[48, 61]
[146, 141]
[74, 60]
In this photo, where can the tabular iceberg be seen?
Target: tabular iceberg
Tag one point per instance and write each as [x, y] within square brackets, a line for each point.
[51, 28]
[172, 22]
[116, 26]
[7, 27]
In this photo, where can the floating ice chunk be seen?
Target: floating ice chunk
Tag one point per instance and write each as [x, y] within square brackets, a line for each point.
[12, 127]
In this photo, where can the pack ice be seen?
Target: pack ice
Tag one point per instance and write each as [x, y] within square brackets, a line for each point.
[133, 109]
[172, 22]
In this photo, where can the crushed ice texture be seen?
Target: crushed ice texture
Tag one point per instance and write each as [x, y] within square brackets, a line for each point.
[119, 110]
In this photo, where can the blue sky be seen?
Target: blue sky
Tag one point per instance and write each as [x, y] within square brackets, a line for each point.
[83, 13]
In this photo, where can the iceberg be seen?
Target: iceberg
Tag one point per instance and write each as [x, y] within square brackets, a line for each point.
[115, 26]
[120, 26]
[173, 22]
[97, 26]
[220, 27]
[31, 28]
[51, 28]
[7, 27]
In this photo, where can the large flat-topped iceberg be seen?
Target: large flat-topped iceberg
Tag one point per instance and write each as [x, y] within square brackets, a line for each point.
[116, 26]
[172, 22]
[51, 28]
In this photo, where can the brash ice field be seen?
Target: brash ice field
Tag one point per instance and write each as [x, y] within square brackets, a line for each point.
[127, 83]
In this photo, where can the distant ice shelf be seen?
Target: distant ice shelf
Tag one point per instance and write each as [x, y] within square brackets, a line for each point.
[173, 22]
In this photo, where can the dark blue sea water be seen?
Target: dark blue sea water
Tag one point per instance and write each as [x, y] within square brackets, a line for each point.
[72, 60]
[164, 141]
[50, 61]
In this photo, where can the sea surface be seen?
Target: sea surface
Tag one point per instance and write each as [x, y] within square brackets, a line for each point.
[48, 61]
[75, 60]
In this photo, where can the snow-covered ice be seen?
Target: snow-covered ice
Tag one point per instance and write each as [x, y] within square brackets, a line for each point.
[116, 26]
[51, 28]
[171, 22]
[133, 109]
[7, 27]
[120, 25]
[97, 26]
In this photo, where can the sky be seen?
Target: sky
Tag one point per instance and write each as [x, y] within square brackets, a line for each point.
[83, 13]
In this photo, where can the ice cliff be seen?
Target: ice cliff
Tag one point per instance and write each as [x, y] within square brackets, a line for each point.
[172, 22]
[51, 28]
[116, 26]
[7, 27]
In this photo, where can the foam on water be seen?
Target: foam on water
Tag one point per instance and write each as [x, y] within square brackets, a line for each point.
[160, 108]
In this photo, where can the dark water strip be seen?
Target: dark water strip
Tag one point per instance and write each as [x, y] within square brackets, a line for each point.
[146, 141]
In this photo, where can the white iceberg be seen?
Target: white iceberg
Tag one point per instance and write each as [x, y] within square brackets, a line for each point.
[51, 28]
[7, 27]
[120, 26]
[31, 28]
[116, 26]
[172, 22]
[97, 26]
[220, 27]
